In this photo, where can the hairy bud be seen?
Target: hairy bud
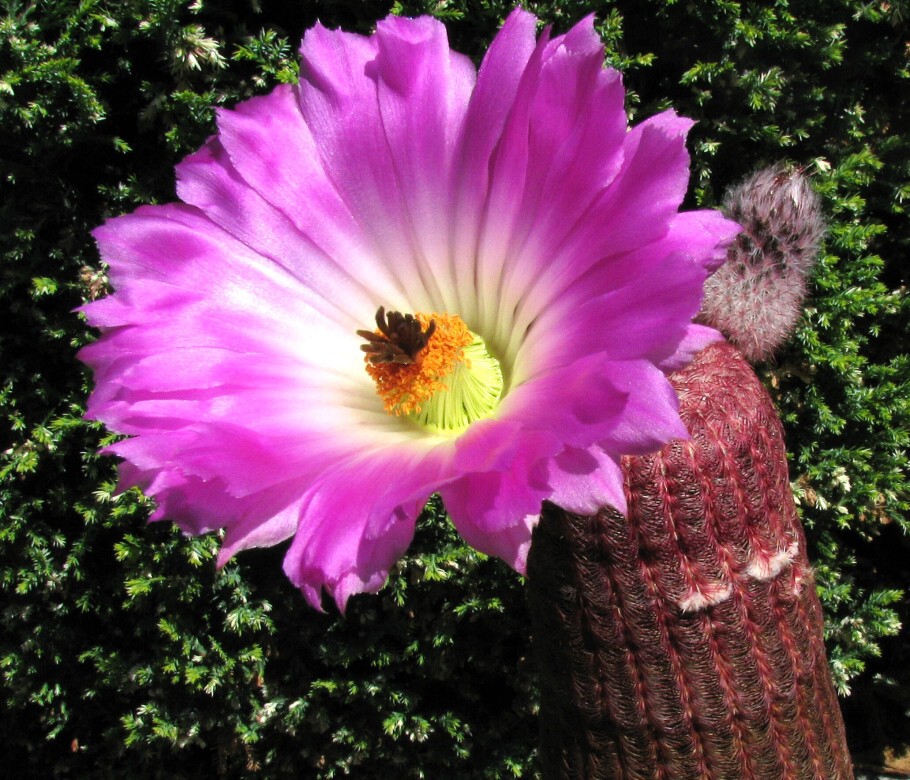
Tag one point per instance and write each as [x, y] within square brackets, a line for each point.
[755, 298]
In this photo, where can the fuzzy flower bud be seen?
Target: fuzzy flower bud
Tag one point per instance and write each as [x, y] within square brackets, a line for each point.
[755, 298]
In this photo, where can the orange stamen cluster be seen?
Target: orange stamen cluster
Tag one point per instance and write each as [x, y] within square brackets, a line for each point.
[404, 387]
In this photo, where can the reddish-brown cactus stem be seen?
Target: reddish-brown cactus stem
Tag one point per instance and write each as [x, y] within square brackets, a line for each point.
[685, 641]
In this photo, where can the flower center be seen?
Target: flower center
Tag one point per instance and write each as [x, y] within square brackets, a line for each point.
[431, 368]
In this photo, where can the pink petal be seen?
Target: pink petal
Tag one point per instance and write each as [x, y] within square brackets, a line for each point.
[491, 509]
[389, 162]
[646, 318]
[696, 339]
[490, 104]
[651, 415]
[636, 209]
[705, 235]
[700, 236]
[562, 147]
[359, 519]
[651, 185]
[503, 481]
[199, 506]
[272, 148]
[632, 302]
[579, 403]
[586, 480]
[207, 180]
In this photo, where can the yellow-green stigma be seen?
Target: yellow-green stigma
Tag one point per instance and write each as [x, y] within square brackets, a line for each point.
[431, 368]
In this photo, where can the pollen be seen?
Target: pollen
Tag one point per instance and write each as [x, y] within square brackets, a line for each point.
[405, 387]
[431, 368]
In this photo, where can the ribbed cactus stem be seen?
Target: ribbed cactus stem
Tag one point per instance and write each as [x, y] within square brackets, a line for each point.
[685, 641]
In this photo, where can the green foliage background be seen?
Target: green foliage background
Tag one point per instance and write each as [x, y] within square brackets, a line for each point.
[124, 653]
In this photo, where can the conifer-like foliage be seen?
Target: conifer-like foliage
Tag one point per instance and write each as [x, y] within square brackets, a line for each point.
[123, 651]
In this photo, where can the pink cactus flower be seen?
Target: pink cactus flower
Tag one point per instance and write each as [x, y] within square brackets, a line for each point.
[403, 276]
